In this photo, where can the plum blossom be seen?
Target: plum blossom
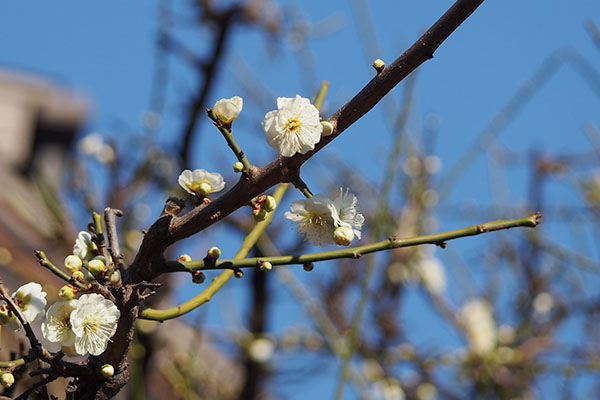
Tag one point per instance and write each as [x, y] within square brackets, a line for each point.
[317, 218]
[84, 246]
[31, 300]
[201, 182]
[57, 326]
[94, 322]
[294, 127]
[480, 327]
[346, 205]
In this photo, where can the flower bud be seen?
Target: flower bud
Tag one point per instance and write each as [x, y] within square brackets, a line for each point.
[343, 235]
[7, 379]
[184, 258]
[309, 266]
[266, 266]
[327, 128]
[96, 267]
[379, 65]
[213, 253]
[228, 109]
[259, 215]
[79, 276]
[198, 277]
[269, 204]
[66, 293]
[73, 263]
[6, 316]
[115, 278]
[107, 370]
[238, 273]
[238, 167]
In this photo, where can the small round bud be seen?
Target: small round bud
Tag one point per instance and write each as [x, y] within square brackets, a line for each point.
[343, 235]
[198, 277]
[107, 370]
[269, 204]
[327, 128]
[66, 293]
[259, 215]
[308, 266]
[96, 267]
[78, 276]
[184, 258]
[238, 167]
[213, 253]
[115, 278]
[238, 273]
[266, 266]
[73, 263]
[204, 189]
[7, 379]
[379, 65]
[6, 316]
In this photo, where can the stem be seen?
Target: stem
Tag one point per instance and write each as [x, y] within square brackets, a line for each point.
[321, 95]
[226, 131]
[438, 239]
[218, 282]
[301, 186]
[45, 262]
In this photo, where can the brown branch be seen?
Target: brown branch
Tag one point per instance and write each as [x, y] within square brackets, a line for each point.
[164, 232]
[112, 237]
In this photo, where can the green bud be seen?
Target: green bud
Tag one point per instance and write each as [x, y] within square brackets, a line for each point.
[327, 128]
[115, 278]
[238, 167]
[238, 273]
[107, 370]
[266, 266]
[198, 277]
[269, 204]
[184, 258]
[259, 215]
[7, 379]
[213, 253]
[73, 263]
[308, 266]
[78, 276]
[96, 267]
[6, 316]
[379, 65]
[66, 293]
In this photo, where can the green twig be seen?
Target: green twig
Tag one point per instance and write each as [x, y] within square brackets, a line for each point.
[228, 135]
[301, 186]
[321, 95]
[45, 262]
[438, 239]
[218, 282]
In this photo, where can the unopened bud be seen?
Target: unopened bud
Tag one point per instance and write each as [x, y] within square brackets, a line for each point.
[73, 263]
[96, 267]
[269, 204]
[238, 167]
[204, 189]
[66, 293]
[115, 278]
[308, 266]
[213, 253]
[228, 109]
[259, 215]
[184, 258]
[107, 370]
[343, 235]
[7, 379]
[78, 276]
[327, 128]
[238, 273]
[266, 266]
[198, 277]
[6, 316]
[379, 65]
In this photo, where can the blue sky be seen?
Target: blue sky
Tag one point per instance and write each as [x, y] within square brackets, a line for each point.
[106, 51]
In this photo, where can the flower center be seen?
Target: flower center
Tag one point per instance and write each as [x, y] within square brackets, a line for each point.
[316, 219]
[91, 325]
[292, 125]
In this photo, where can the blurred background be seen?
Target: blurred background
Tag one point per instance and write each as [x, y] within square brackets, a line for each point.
[104, 106]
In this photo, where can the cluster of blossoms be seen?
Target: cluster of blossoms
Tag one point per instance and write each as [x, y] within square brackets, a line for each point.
[81, 326]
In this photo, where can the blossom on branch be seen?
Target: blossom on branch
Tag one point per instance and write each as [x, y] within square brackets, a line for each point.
[346, 206]
[317, 218]
[84, 246]
[294, 127]
[94, 322]
[228, 109]
[201, 182]
[31, 300]
[57, 326]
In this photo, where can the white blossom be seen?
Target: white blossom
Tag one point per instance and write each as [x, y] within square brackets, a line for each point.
[317, 218]
[201, 181]
[31, 300]
[343, 235]
[228, 109]
[480, 327]
[73, 263]
[294, 127]
[94, 322]
[433, 275]
[346, 205]
[84, 246]
[57, 326]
